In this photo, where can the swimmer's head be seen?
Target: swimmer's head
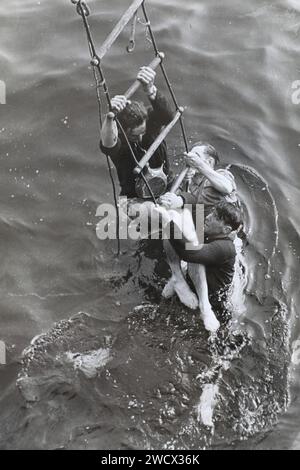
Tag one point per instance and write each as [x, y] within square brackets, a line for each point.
[134, 120]
[224, 219]
[207, 152]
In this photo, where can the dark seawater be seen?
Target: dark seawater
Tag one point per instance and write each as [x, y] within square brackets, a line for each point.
[112, 366]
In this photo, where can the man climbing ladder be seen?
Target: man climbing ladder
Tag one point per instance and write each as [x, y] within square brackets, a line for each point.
[125, 135]
[155, 147]
[141, 126]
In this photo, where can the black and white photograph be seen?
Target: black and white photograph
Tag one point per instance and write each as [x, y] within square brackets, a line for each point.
[150, 227]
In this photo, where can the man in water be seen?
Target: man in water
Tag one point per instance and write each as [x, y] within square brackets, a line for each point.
[142, 125]
[211, 265]
[209, 187]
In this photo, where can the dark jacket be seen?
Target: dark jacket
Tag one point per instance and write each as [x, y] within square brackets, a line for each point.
[159, 115]
[218, 257]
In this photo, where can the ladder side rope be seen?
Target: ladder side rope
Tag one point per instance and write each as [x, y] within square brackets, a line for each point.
[95, 62]
[109, 167]
[95, 59]
[157, 53]
[136, 160]
[153, 40]
[159, 139]
[131, 45]
[100, 82]
[136, 85]
[114, 34]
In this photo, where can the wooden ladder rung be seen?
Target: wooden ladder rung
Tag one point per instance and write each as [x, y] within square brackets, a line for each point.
[153, 65]
[143, 162]
[111, 38]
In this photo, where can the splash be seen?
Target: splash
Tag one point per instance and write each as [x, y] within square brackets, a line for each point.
[89, 363]
[206, 405]
[156, 380]
[86, 382]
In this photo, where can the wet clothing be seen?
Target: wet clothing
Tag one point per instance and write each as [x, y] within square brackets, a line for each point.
[218, 257]
[159, 115]
[220, 302]
[201, 191]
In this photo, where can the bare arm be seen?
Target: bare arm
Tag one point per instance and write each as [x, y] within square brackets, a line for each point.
[218, 180]
[161, 113]
[109, 131]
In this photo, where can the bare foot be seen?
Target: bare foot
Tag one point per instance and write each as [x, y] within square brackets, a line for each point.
[169, 289]
[186, 296]
[210, 321]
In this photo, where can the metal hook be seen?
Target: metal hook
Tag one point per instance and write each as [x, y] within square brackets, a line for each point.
[131, 46]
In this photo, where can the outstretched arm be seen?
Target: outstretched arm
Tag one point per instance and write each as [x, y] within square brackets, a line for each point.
[210, 254]
[219, 181]
[109, 131]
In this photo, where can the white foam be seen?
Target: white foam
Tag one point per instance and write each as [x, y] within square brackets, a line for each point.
[91, 362]
[239, 281]
[205, 408]
[296, 352]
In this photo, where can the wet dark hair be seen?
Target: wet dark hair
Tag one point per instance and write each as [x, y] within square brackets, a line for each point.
[210, 151]
[230, 214]
[133, 115]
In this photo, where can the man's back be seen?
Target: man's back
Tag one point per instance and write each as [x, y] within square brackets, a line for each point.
[159, 115]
